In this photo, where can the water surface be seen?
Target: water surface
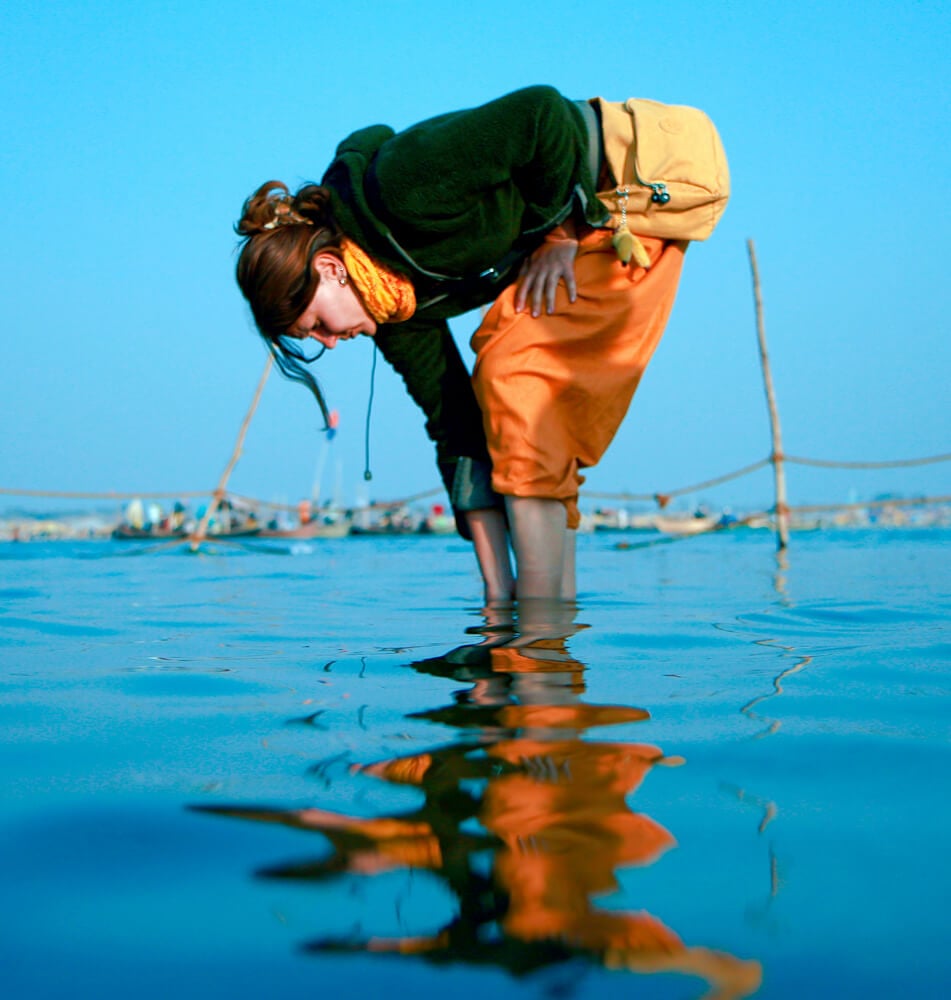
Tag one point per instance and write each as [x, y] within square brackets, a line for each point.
[263, 770]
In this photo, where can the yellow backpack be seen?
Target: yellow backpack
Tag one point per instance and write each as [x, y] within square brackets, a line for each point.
[671, 170]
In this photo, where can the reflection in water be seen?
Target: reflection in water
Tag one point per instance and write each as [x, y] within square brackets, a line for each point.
[768, 812]
[779, 578]
[522, 820]
[774, 724]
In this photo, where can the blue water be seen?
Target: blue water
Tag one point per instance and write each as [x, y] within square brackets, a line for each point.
[254, 771]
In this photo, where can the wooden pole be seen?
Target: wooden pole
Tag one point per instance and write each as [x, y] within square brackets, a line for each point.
[779, 474]
[199, 533]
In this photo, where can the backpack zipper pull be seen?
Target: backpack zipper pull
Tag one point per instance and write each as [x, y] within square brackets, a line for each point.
[625, 243]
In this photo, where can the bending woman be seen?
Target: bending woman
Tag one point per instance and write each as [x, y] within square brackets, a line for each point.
[498, 204]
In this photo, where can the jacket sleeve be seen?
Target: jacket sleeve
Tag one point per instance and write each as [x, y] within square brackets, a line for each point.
[426, 356]
[529, 146]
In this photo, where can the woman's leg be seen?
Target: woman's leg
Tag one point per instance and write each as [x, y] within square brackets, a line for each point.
[491, 544]
[569, 585]
[539, 529]
[544, 548]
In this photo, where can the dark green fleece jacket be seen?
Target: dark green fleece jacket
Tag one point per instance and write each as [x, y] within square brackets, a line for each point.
[456, 203]
[463, 195]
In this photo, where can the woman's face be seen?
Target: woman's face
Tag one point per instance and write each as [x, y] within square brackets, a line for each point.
[335, 312]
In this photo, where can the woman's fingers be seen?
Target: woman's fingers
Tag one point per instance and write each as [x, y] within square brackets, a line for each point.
[541, 274]
[525, 280]
[564, 270]
[551, 290]
[569, 275]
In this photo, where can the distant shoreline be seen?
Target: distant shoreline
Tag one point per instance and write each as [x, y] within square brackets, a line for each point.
[23, 526]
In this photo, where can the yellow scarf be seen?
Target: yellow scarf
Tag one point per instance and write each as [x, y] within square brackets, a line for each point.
[388, 296]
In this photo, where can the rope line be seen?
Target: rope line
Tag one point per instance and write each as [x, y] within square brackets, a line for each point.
[900, 463]
[661, 497]
[108, 495]
[379, 505]
[668, 494]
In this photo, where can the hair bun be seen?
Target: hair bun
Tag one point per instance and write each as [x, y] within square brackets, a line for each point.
[265, 209]
[272, 205]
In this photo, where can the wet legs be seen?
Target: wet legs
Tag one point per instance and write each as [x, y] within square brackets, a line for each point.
[544, 548]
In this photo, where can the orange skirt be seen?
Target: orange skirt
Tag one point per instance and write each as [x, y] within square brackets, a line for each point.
[554, 389]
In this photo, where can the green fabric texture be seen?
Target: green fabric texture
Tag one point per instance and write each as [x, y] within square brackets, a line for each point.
[452, 196]
[427, 359]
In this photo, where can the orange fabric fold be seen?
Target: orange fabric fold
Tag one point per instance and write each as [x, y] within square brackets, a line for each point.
[554, 389]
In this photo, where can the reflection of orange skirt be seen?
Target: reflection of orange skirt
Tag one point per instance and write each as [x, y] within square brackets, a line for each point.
[554, 389]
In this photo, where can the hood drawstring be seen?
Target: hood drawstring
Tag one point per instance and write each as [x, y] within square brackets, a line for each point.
[367, 474]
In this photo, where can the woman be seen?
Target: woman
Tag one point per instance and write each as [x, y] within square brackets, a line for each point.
[495, 204]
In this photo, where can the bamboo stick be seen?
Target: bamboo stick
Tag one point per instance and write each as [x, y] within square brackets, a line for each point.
[199, 533]
[779, 474]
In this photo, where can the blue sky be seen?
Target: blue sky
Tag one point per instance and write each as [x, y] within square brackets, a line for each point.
[133, 132]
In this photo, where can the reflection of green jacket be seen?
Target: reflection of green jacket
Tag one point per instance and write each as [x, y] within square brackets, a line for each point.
[456, 203]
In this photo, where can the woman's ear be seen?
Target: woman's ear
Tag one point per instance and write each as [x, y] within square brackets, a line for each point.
[329, 267]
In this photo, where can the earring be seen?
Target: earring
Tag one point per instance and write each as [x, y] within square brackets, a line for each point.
[342, 279]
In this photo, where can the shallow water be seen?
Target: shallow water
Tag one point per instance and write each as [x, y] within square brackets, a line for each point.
[257, 770]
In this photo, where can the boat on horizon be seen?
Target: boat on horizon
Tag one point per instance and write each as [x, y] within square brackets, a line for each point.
[129, 533]
[338, 527]
[693, 524]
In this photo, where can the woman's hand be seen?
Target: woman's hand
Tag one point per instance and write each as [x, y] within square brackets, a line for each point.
[551, 263]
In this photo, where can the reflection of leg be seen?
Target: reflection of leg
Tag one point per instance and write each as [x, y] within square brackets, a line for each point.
[539, 530]
[490, 540]
[541, 619]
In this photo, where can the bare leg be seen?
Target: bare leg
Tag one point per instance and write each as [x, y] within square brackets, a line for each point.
[569, 581]
[490, 540]
[539, 531]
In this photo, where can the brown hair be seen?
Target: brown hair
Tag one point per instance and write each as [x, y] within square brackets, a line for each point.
[282, 234]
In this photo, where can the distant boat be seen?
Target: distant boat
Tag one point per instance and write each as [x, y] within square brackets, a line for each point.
[385, 529]
[691, 525]
[318, 528]
[398, 521]
[617, 521]
[126, 533]
[243, 531]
